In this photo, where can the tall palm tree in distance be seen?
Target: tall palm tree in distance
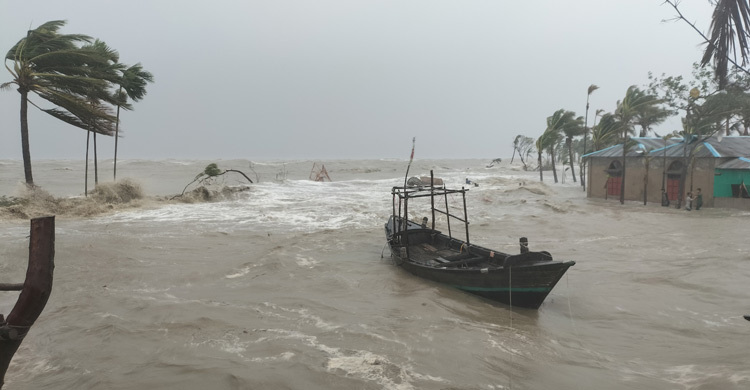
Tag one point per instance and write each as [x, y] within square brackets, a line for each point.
[133, 86]
[591, 90]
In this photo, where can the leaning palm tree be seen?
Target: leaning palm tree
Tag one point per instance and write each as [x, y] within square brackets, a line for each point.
[571, 129]
[591, 90]
[112, 68]
[635, 101]
[55, 68]
[565, 123]
[605, 133]
[544, 141]
[547, 143]
[650, 115]
[133, 86]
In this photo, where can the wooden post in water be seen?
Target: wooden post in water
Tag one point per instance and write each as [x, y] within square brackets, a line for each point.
[35, 291]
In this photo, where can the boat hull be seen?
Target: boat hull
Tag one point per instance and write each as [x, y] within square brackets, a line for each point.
[516, 280]
[524, 286]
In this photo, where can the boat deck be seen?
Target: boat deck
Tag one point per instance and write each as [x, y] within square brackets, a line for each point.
[441, 255]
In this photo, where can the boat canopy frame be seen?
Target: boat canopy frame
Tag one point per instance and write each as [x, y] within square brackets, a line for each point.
[401, 213]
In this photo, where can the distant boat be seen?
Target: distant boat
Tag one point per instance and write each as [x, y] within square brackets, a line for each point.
[522, 280]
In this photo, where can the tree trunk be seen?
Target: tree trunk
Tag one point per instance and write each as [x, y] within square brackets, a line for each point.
[117, 135]
[645, 183]
[96, 165]
[86, 174]
[25, 138]
[541, 178]
[624, 152]
[570, 157]
[554, 169]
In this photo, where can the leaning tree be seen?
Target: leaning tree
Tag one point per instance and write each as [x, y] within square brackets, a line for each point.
[626, 113]
[68, 70]
[132, 85]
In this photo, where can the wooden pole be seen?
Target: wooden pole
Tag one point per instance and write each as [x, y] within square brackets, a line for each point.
[35, 293]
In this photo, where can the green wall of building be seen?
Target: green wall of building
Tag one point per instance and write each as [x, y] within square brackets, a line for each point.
[724, 178]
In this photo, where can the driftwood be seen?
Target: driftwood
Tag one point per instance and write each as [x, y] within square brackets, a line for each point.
[212, 170]
[35, 291]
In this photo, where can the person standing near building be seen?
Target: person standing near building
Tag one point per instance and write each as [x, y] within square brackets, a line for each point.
[689, 201]
[698, 200]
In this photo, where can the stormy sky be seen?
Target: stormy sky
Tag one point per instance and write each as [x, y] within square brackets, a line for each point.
[353, 79]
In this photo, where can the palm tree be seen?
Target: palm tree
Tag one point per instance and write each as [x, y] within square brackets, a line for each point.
[54, 67]
[573, 128]
[544, 142]
[730, 22]
[605, 133]
[627, 111]
[113, 68]
[591, 90]
[133, 86]
[564, 122]
[650, 115]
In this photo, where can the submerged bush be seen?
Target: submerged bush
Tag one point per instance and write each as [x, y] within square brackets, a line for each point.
[122, 191]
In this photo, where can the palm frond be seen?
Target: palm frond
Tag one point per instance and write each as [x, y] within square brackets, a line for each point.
[730, 26]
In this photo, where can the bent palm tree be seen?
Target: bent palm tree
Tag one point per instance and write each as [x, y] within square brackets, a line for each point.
[547, 142]
[627, 111]
[54, 67]
[591, 90]
[650, 115]
[133, 86]
[565, 123]
[606, 132]
[571, 129]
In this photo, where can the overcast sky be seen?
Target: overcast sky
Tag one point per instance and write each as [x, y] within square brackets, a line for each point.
[349, 79]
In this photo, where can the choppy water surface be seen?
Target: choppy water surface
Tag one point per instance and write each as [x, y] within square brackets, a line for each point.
[285, 288]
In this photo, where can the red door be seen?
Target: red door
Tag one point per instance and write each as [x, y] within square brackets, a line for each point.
[613, 185]
[673, 189]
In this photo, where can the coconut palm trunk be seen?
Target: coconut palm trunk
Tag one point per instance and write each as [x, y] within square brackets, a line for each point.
[552, 158]
[541, 177]
[624, 152]
[117, 135]
[96, 165]
[569, 141]
[25, 138]
[86, 170]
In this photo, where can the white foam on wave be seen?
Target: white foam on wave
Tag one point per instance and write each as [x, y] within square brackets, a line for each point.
[361, 364]
[292, 206]
[306, 262]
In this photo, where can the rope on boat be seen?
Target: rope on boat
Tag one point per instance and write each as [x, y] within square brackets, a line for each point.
[510, 303]
[570, 309]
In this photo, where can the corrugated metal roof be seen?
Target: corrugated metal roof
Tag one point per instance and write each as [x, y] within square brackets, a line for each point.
[737, 163]
[717, 147]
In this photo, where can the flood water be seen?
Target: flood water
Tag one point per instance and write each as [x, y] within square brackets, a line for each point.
[285, 287]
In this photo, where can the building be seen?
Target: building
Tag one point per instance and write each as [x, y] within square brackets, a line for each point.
[719, 166]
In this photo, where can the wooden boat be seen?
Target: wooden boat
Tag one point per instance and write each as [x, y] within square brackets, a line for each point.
[524, 279]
